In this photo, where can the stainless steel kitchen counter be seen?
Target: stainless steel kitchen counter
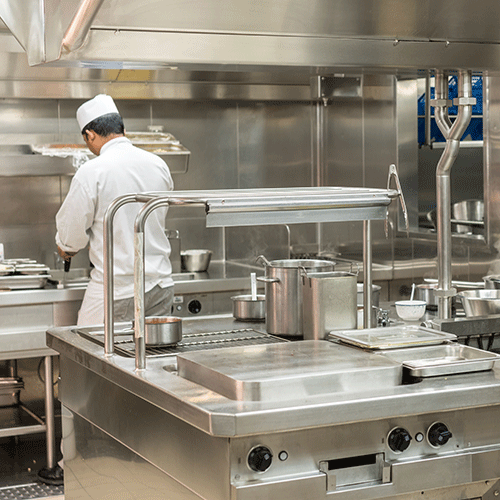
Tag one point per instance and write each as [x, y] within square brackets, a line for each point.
[220, 416]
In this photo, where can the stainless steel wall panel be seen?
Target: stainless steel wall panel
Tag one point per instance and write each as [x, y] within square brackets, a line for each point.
[209, 130]
[29, 116]
[407, 151]
[274, 145]
[38, 204]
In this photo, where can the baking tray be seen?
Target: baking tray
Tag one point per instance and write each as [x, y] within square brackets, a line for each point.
[445, 359]
[393, 337]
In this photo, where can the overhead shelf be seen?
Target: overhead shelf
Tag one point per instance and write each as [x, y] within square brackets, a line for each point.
[250, 207]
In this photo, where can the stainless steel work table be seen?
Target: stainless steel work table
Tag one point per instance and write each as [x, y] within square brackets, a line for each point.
[217, 415]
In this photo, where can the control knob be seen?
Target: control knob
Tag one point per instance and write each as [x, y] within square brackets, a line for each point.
[260, 459]
[399, 439]
[194, 306]
[438, 434]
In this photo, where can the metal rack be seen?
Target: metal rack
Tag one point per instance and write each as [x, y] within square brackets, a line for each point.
[241, 207]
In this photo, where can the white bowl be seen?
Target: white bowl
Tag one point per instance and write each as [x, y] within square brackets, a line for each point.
[410, 310]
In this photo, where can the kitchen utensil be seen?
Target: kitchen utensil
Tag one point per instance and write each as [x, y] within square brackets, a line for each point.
[410, 310]
[329, 303]
[480, 302]
[196, 261]
[162, 330]
[248, 308]
[253, 285]
[284, 293]
[412, 291]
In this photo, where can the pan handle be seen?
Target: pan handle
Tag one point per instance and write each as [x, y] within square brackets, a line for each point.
[268, 280]
[262, 260]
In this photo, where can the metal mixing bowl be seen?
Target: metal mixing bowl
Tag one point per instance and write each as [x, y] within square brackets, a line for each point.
[196, 261]
[480, 302]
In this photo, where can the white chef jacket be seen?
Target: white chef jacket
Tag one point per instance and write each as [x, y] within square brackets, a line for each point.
[120, 169]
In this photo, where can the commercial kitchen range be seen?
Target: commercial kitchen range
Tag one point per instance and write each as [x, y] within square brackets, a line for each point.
[232, 412]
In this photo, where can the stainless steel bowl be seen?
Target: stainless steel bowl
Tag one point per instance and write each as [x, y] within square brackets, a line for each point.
[195, 261]
[162, 330]
[480, 302]
[468, 210]
[246, 309]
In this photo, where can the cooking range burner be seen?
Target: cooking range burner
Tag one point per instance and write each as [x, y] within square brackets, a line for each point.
[190, 342]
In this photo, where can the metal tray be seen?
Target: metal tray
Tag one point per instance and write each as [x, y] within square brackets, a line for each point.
[394, 337]
[439, 360]
[23, 282]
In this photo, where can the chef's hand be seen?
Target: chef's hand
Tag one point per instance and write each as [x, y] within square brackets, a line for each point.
[65, 255]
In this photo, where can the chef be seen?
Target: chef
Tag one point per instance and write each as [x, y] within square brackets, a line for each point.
[118, 169]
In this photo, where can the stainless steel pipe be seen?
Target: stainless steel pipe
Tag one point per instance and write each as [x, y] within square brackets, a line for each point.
[367, 270]
[79, 26]
[108, 264]
[452, 133]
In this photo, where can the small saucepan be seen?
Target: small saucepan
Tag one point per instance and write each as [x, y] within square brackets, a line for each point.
[247, 309]
[162, 330]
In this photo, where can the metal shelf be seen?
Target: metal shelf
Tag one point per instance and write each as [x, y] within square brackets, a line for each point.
[18, 420]
[250, 207]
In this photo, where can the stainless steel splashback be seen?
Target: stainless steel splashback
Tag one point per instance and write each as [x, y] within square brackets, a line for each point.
[406, 35]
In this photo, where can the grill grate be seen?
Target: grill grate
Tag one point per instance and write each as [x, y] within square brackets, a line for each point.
[192, 342]
[30, 491]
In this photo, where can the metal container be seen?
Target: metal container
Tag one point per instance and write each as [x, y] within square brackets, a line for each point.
[492, 281]
[426, 292]
[329, 303]
[480, 302]
[196, 261]
[175, 249]
[162, 330]
[468, 210]
[284, 293]
[375, 294]
[247, 309]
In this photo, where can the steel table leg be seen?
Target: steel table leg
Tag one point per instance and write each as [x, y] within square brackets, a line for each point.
[49, 414]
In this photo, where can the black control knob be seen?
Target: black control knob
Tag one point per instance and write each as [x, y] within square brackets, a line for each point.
[194, 307]
[399, 439]
[438, 434]
[260, 459]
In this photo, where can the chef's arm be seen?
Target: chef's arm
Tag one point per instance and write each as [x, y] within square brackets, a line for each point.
[73, 220]
[65, 255]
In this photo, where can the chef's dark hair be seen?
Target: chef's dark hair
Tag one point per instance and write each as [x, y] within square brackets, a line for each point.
[105, 125]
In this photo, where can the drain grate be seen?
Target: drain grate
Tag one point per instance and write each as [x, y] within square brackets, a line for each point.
[31, 490]
[192, 342]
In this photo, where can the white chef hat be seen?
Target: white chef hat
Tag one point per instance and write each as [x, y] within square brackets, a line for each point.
[100, 105]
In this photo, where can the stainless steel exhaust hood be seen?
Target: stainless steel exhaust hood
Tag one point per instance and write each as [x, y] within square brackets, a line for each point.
[394, 36]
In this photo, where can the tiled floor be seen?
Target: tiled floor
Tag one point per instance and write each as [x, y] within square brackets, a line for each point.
[20, 460]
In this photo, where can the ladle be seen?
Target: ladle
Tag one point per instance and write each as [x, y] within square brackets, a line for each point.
[253, 285]
[412, 291]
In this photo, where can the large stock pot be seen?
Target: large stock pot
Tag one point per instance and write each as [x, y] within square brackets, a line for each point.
[284, 293]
